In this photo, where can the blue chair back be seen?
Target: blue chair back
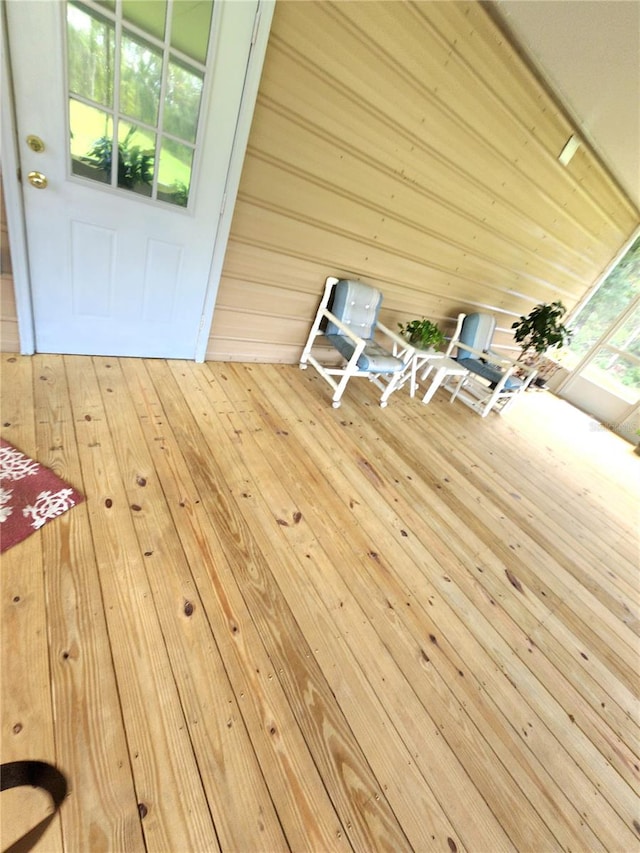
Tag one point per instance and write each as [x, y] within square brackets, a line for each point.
[477, 332]
[357, 306]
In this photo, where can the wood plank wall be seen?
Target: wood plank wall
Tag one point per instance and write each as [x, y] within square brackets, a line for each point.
[9, 340]
[409, 145]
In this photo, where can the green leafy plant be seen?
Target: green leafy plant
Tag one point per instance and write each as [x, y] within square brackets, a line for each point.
[541, 330]
[179, 193]
[422, 334]
[135, 166]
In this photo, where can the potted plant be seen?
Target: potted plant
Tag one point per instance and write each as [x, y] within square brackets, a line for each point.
[422, 334]
[539, 331]
[135, 166]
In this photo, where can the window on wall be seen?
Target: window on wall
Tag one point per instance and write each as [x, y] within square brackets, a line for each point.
[136, 76]
[605, 347]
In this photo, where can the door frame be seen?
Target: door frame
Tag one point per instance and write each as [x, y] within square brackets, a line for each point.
[9, 158]
[16, 229]
[253, 73]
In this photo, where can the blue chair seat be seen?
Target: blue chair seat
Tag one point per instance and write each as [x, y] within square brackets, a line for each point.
[374, 358]
[490, 372]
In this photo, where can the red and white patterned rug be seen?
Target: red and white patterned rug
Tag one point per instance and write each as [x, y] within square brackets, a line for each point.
[30, 496]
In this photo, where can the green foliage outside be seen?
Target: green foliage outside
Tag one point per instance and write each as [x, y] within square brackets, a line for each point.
[613, 296]
[140, 80]
[90, 56]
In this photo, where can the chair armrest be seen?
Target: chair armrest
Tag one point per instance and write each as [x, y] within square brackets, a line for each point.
[359, 343]
[505, 359]
[402, 349]
[401, 343]
[526, 369]
[496, 358]
[500, 360]
[343, 327]
[479, 353]
[508, 365]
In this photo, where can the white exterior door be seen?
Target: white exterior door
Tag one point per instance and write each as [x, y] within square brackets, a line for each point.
[134, 110]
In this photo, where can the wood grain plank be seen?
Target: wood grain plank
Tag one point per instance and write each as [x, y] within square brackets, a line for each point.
[174, 811]
[211, 538]
[593, 764]
[490, 545]
[249, 474]
[101, 812]
[240, 804]
[501, 535]
[359, 801]
[25, 699]
[582, 558]
[297, 609]
[350, 569]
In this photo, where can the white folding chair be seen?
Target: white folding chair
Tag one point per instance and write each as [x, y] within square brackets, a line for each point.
[347, 320]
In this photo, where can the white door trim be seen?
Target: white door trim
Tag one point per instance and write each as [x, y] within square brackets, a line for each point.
[10, 161]
[264, 16]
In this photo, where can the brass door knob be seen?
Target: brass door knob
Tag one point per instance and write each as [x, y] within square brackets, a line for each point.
[37, 180]
[35, 143]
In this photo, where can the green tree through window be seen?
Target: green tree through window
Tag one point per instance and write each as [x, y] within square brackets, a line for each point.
[608, 302]
[614, 359]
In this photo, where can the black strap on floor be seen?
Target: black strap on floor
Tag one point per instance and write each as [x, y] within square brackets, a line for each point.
[37, 774]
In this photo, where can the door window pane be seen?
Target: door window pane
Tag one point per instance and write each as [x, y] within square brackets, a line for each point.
[182, 101]
[155, 146]
[136, 154]
[174, 173]
[91, 141]
[190, 25]
[149, 15]
[91, 41]
[140, 78]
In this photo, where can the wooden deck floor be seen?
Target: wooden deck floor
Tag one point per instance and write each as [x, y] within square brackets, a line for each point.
[277, 626]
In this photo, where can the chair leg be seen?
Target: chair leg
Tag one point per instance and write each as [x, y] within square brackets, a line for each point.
[315, 328]
[312, 336]
[435, 384]
[509, 402]
[458, 388]
[337, 394]
[426, 372]
[392, 385]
